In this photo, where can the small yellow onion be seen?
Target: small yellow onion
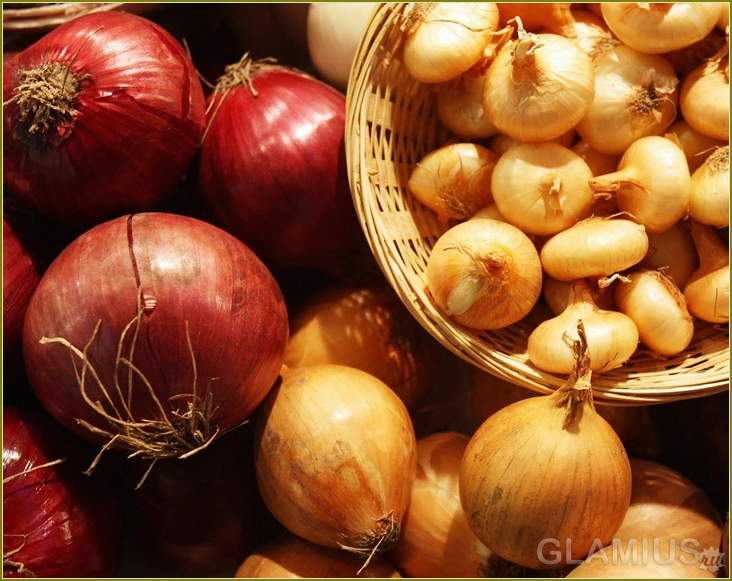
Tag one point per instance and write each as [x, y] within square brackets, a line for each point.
[543, 478]
[367, 328]
[291, 557]
[542, 188]
[696, 146]
[595, 247]
[556, 17]
[658, 309]
[459, 106]
[655, 28]
[592, 34]
[454, 180]
[445, 39]
[484, 274]
[636, 95]
[709, 198]
[652, 183]
[335, 458]
[612, 337]
[668, 523]
[707, 291]
[672, 252]
[704, 97]
[436, 540]
[538, 86]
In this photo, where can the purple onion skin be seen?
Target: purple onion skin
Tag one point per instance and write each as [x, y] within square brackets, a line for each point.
[62, 522]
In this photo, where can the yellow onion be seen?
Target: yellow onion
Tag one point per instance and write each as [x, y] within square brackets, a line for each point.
[454, 180]
[652, 182]
[292, 557]
[707, 290]
[335, 458]
[367, 328]
[709, 198]
[484, 274]
[542, 188]
[658, 308]
[595, 247]
[545, 477]
[704, 96]
[436, 540]
[459, 106]
[636, 95]
[660, 27]
[669, 523]
[612, 337]
[592, 34]
[445, 39]
[538, 86]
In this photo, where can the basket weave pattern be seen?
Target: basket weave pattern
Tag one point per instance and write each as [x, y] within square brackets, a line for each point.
[391, 124]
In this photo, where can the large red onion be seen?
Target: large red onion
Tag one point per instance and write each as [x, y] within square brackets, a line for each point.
[199, 317]
[200, 517]
[57, 521]
[126, 120]
[273, 168]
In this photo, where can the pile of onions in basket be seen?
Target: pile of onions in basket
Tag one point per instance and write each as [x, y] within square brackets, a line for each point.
[101, 117]
[154, 333]
[590, 180]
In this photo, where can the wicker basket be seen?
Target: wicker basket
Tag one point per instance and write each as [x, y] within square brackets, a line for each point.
[391, 124]
[43, 16]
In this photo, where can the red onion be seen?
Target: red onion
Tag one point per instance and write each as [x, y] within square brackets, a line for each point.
[22, 270]
[175, 328]
[273, 169]
[128, 117]
[57, 522]
[201, 517]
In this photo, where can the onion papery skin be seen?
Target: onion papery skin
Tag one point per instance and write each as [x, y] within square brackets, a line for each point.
[197, 283]
[72, 521]
[273, 169]
[636, 95]
[515, 483]
[335, 458]
[200, 517]
[292, 557]
[140, 116]
[22, 271]
[543, 99]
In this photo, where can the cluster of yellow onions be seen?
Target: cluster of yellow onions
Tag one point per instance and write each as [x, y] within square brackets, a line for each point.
[584, 141]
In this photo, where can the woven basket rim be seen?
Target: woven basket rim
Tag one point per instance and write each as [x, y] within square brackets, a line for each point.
[399, 231]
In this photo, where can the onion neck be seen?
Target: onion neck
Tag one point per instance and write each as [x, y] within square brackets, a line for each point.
[576, 393]
[46, 98]
[625, 178]
[526, 45]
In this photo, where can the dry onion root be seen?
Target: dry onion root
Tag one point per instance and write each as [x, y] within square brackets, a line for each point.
[335, 458]
[546, 479]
